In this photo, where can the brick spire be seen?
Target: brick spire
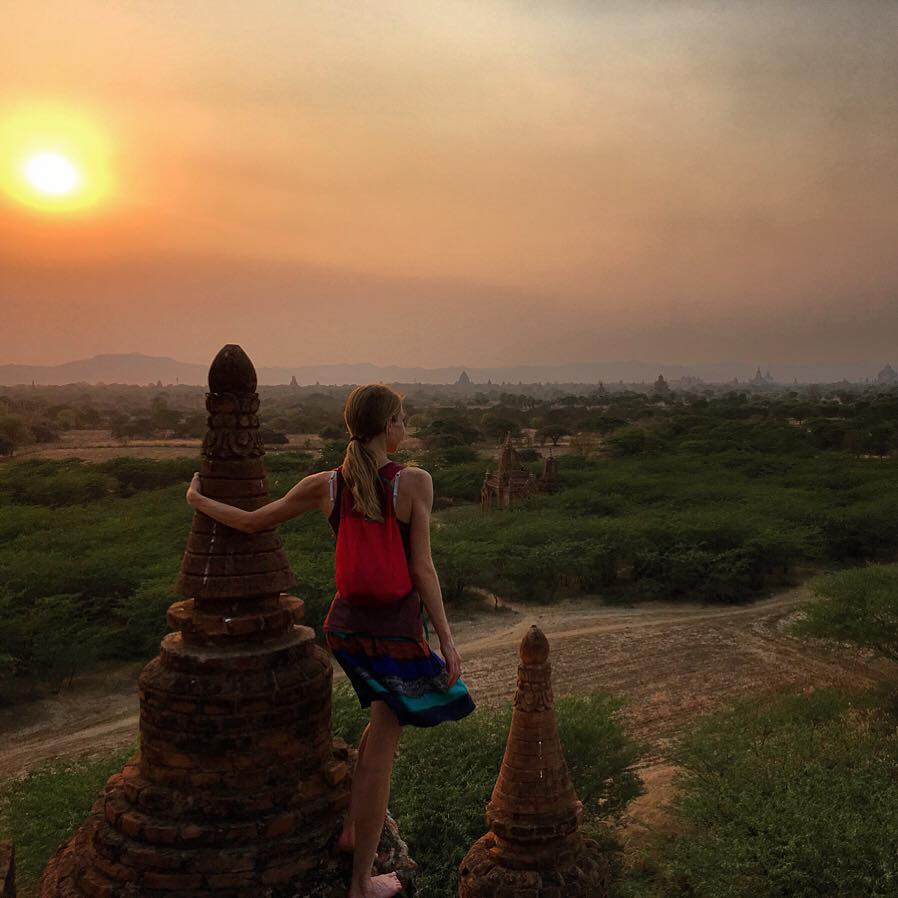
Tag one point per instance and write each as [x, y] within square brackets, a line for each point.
[235, 580]
[238, 786]
[533, 846]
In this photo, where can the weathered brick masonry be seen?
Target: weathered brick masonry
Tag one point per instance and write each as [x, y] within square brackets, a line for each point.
[533, 848]
[238, 787]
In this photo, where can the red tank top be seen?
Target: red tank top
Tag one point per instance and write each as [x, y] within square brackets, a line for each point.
[372, 567]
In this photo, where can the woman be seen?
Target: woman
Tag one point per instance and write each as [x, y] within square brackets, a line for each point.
[380, 513]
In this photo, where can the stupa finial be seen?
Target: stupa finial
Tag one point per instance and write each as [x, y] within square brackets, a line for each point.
[534, 647]
[232, 371]
[233, 406]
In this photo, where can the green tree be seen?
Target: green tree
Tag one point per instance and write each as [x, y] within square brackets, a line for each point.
[553, 432]
[497, 428]
[161, 416]
[14, 432]
[628, 441]
[880, 440]
[859, 606]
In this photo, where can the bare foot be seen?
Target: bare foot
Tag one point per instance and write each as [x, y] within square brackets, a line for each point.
[379, 887]
[346, 842]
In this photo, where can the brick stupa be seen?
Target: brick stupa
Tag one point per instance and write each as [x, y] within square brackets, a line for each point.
[533, 847]
[237, 788]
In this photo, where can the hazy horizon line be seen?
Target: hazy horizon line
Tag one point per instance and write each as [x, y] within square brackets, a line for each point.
[629, 360]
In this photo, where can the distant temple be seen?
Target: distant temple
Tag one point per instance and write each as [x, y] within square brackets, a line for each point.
[762, 380]
[661, 387]
[509, 484]
[293, 382]
[887, 376]
[463, 380]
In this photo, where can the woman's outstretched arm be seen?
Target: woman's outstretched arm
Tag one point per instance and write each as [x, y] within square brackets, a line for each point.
[311, 492]
[424, 573]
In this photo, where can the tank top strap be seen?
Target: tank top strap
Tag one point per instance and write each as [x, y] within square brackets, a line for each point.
[337, 486]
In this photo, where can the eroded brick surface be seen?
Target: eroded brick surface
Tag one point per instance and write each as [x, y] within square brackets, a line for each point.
[533, 848]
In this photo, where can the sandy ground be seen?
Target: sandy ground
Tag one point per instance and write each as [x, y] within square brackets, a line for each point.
[669, 662]
[99, 445]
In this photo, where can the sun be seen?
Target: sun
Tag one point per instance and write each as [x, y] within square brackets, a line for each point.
[53, 160]
[51, 173]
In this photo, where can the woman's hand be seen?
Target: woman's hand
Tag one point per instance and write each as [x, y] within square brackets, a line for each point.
[453, 661]
[193, 491]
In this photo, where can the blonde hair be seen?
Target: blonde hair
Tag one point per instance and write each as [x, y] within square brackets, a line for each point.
[367, 412]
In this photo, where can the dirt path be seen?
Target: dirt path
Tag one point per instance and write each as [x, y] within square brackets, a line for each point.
[669, 662]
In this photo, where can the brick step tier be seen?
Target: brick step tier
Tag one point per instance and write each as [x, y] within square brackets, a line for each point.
[106, 862]
[313, 797]
[235, 718]
[581, 873]
[264, 619]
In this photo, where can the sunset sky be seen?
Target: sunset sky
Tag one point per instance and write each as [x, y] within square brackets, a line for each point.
[437, 183]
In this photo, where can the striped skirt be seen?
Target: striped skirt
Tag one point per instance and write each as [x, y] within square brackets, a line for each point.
[404, 673]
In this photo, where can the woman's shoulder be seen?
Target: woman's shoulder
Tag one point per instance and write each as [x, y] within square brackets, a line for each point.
[414, 472]
[416, 478]
[320, 479]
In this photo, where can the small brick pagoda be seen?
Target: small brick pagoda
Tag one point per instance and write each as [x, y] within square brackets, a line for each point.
[238, 788]
[533, 847]
[510, 484]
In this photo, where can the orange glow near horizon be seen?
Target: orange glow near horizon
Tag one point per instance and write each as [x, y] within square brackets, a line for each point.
[53, 160]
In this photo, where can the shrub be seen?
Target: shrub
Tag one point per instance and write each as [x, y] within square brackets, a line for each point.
[628, 441]
[138, 474]
[859, 606]
[459, 481]
[796, 796]
[54, 484]
[41, 811]
[48, 643]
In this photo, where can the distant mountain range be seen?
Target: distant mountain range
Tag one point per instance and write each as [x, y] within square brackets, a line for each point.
[135, 368]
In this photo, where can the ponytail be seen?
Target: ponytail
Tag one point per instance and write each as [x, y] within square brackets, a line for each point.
[360, 474]
[368, 410]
